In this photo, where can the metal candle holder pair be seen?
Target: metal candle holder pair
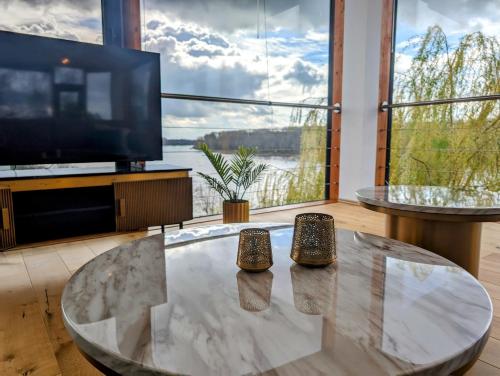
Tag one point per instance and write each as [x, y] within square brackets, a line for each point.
[313, 244]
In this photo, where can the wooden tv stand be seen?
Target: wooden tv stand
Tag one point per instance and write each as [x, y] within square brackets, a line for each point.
[39, 205]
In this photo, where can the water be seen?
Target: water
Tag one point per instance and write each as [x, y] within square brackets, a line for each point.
[186, 156]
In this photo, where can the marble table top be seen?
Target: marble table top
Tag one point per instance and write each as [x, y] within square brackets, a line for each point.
[178, 304]
[432, 199]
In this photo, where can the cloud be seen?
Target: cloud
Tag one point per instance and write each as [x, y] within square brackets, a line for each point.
[199, 60]
[185, 108]
[402, 62]
[75, 4]
[307, 74]
[454, 16]
[67, 19]
[196, 61]
[232, 15]
[47, 28]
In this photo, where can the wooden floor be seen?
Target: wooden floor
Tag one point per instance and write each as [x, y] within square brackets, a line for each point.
[33, 340]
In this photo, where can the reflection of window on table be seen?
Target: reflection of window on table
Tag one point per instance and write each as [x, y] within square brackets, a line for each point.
[406, 285]
[451, 65]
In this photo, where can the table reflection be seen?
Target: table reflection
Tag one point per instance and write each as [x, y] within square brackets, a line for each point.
[104, 307]
[254, 290]
[313, 289]
[433, 196]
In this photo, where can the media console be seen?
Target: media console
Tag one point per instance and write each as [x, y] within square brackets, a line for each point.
[38, 205]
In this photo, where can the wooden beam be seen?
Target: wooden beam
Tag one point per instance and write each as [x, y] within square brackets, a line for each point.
[337, 30]
[384, 87]
[122, 23]
[132, 24]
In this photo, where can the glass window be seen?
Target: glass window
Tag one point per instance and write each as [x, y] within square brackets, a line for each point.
[452, 144]
[275, 50]
[264, 49]
[291, 140]
[65, 19]
[446, 49]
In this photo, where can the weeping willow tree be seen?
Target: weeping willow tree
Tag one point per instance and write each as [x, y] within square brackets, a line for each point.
[307, 181]
[453, 144]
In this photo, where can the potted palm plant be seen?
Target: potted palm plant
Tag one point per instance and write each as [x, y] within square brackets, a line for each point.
[235, 176]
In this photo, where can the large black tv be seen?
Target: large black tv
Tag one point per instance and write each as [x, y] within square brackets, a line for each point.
[71, 102]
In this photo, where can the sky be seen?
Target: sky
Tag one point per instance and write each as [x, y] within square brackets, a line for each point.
[455, 17]
[265, 50]
[253, 49]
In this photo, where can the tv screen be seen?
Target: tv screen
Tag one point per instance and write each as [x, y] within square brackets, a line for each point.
[63, 101]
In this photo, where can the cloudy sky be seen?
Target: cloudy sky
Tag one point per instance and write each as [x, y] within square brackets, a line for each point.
[455, 17]
[268, 50]
[253, 49]
[68, 19]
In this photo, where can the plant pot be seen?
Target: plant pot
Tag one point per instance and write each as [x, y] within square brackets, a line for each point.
[235, 211]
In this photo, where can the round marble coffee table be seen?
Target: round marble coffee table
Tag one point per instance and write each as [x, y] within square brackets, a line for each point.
[178, 304]
[443, 220]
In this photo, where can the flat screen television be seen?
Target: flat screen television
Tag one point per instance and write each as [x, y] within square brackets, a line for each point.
[71, 102]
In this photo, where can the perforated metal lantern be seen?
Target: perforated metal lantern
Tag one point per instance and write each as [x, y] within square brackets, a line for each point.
[254, 250]
[314, 240]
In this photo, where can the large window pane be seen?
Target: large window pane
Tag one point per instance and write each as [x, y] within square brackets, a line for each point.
[446, 49]
[259, 49]
[65, 19]
[291, 140]
[448, 145]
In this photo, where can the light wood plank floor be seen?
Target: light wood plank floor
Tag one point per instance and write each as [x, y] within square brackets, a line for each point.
[33, 340]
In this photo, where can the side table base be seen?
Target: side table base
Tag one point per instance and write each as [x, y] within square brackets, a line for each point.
[459, 242]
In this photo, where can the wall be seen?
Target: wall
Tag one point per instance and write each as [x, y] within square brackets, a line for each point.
[360, 95]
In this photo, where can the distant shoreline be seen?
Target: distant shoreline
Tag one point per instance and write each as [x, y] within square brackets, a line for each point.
[280, 153]
[274, 141]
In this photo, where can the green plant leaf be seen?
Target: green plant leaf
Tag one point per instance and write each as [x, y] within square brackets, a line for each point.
[242, 164]
[235, 177]
[216, 185]
[252, 176]
[221, 166]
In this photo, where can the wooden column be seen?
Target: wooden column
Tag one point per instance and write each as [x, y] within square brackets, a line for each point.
[132, 24]
[336, 60]
[121, 23]
[121, 27]
[384, 88]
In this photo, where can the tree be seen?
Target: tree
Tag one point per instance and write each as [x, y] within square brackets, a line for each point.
[453, 144]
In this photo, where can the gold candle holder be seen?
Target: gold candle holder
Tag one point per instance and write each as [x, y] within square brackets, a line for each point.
[254, 250]
[254, 290]
[314, 240]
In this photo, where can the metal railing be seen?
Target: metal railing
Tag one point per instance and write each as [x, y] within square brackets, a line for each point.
[206, 98]
[385, 106]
